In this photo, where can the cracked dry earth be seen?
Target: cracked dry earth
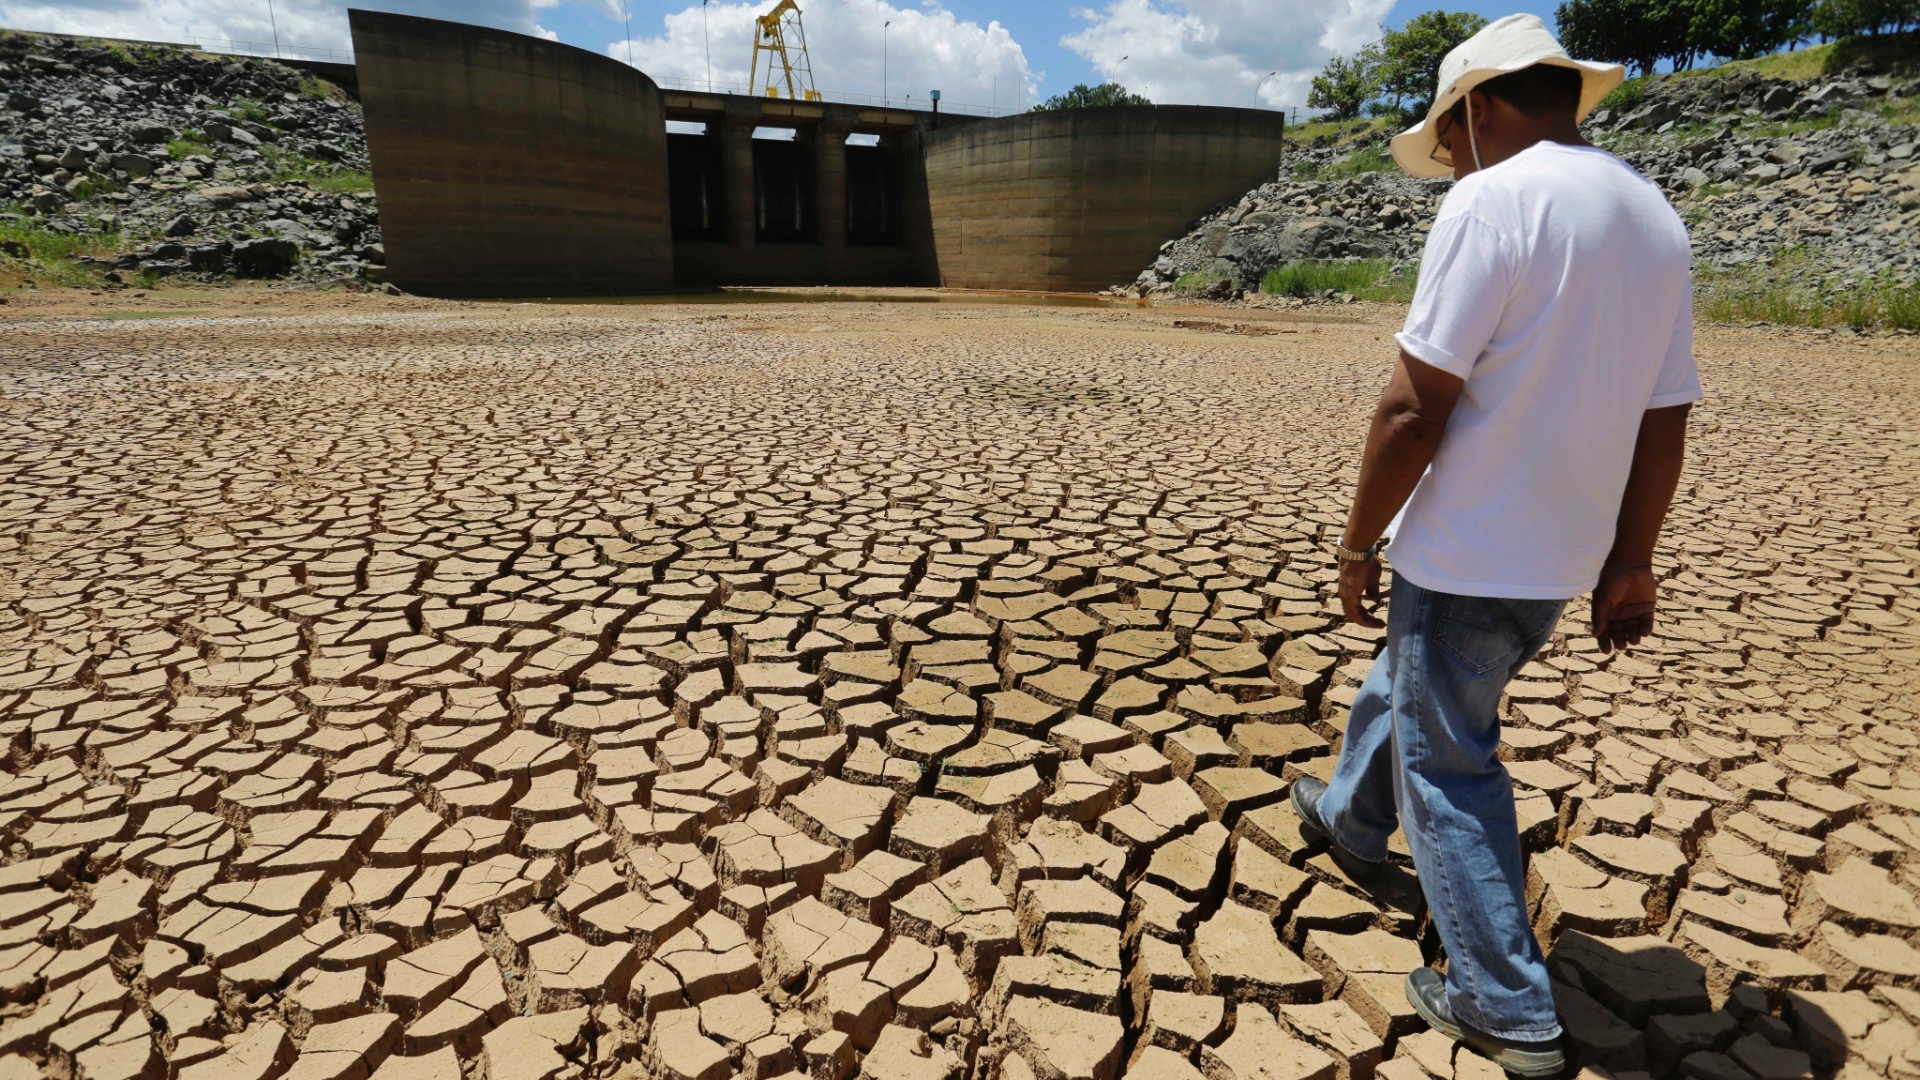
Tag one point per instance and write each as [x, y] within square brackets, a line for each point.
[430, 691]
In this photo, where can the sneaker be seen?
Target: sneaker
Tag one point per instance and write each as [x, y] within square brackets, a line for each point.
[1427, 993]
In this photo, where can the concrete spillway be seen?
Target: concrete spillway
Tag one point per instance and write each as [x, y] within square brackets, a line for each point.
[507, 165]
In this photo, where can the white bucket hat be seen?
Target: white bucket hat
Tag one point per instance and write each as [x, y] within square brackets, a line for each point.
[1504, 45]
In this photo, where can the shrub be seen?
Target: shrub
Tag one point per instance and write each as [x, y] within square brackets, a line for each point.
[190, 144]
[319, 175]
[31, 252]
[1367, 279]
[1900, 308]
[249, 109]
[1626, 96]
[1776, 293]
[1367, 159]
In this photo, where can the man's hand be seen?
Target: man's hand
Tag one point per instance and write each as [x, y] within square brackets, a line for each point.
[1623, 605]
[1360, 581]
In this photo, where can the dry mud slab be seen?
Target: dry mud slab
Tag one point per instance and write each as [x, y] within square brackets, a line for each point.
[428, 691]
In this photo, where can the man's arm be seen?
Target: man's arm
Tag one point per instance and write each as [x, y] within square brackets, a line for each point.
[1405, 434]
[1624, 600]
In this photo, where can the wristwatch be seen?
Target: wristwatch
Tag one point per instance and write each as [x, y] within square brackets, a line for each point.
[1367, 554]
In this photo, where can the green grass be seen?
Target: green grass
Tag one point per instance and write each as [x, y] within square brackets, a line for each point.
[190, 144]
[51, 257]
[1899, 53]
[1899, 112]
[1198, 281]
[1367, 279]
[1343, 131]
[315, 86]
[249, 109]
[1618, 141]
[1625, 96]
[1774, 129]
[1367, 159]
[1374, 158]
[1778, 293]
[346, 180]
[318, 175]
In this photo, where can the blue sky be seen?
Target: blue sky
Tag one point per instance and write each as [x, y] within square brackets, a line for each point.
[997, 54]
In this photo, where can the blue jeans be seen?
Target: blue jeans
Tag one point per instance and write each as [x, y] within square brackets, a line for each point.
[1420, 746]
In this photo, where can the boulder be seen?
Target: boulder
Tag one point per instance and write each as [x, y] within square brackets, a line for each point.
[136, 166]
[265, 257]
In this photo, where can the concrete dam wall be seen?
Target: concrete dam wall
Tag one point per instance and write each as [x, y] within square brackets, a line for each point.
[1080, 199]
[506, 165]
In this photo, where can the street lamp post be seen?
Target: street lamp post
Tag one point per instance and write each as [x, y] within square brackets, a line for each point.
[274, 21]
[1258, 85]
[626, 8]
[883, 61]
[708, 36]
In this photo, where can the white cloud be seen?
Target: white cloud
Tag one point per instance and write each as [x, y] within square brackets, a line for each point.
[314, 24]
[926, 48]
[1215, 52]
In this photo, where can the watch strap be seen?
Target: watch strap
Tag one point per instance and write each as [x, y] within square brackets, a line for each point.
[1367, 554]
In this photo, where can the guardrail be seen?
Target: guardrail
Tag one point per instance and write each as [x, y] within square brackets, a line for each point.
[919, 104]
[272, 50]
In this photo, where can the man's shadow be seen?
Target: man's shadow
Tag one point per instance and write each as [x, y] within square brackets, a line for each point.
[1641, 1004]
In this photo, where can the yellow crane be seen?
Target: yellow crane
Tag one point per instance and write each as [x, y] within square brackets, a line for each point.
[786, 67]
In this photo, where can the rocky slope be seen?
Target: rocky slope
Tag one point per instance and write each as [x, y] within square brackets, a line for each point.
[1820, 175]
[181, 165]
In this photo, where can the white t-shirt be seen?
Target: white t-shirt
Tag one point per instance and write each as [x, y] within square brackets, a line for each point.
[1557, 284]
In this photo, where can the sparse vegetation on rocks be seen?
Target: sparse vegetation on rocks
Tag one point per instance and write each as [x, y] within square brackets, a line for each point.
[130, 165]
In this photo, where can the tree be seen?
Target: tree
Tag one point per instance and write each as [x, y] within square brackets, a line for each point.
[1590, 30]
[1637, 33]
[1853, 18]
[1347, 84]
[1083, 96]
[1743, 29]
[1410, 56]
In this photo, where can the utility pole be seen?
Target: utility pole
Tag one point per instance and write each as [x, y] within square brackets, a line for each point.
[274, 21]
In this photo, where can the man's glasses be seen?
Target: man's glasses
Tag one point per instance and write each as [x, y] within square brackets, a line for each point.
[1442, 152]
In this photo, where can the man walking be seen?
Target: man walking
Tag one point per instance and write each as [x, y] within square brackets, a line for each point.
[1530, 441]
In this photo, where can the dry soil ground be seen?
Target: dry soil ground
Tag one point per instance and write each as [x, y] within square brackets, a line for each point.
[430, 690]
